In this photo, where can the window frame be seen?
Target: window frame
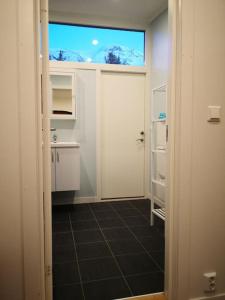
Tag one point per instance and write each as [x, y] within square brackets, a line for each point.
[110, 28]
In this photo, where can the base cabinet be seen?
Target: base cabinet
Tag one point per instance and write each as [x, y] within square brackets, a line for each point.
[65, 169]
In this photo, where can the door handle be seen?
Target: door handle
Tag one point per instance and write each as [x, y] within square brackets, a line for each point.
[52, 157]
[57, 156]
[141, 140]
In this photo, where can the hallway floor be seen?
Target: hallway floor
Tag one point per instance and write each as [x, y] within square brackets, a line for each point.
[106, 251]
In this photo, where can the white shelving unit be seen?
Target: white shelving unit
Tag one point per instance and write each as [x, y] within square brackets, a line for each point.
[62, 95]
[158, 151]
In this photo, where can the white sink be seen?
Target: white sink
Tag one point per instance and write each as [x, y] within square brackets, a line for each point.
[65, 144]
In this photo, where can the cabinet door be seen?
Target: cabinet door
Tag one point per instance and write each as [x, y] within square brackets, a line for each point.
[67, 169]
[53, 169]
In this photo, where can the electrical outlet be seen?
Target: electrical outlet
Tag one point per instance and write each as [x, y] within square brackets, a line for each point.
[210, 282]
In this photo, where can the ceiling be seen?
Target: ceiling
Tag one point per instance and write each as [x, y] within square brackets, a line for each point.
[136, 10]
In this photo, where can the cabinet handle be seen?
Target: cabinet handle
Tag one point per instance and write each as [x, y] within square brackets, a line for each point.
[57, 156]
[52, 157]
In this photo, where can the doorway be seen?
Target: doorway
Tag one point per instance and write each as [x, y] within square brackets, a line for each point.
[135, 188]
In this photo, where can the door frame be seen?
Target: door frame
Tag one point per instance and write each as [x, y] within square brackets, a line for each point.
[172, 199]
[99, 125]
[46, 149]
[171, 272]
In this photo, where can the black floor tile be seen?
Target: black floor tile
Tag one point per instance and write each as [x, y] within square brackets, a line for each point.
[100, 273]
[100, 206]
[62, 239]
[125, 246]
[159, 257]
[93, 250]
[136, 221]
[96, 269]
[136, 264]
[117, 234]
[88, 236]
[145, 213]
[65, 273]
[146, 283]
[144, 231]
[119, 205]
[61, 227]
[82, 216]
[140, 202]
[68, 292]
[84, 225]
[60, 216]
[153, 244]
[160, 224]
[80, 208]
[131, 212]
[106, 214]
[63, 254]
[62, 208]
[106, 290]
[110, 223]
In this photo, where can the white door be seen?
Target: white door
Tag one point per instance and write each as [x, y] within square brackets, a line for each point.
[67, 169]
[122, 127]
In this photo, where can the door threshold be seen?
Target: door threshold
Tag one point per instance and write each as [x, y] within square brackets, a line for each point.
[156, 296]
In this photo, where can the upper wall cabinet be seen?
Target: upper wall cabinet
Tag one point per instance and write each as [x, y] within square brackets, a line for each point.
[62, 89]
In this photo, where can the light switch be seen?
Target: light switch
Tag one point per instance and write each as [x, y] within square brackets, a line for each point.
[214, 113]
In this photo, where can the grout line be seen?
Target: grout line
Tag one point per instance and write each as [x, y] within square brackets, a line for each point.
[155, 262]
[115, 260]
[78, 266]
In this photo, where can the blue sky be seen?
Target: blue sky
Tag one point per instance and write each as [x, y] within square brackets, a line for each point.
[81, 38]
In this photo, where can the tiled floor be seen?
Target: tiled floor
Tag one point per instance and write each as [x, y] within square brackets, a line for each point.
[105, 251]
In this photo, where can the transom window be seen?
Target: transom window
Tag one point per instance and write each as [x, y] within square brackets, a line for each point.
[77, 43]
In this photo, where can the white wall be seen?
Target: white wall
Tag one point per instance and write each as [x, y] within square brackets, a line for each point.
[159, 50]
[200, 148]
[159, 76]
[83, 131]
[20, 193]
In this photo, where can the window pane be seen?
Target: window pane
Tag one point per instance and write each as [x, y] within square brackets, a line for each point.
[96, 45]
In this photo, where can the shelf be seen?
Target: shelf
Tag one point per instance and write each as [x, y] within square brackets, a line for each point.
[160, 212]
[162, 183]
[159, 151]
[159, 120]
[158, 201]
[58, 87]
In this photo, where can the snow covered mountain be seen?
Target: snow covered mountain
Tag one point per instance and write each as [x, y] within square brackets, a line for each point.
[111, 54]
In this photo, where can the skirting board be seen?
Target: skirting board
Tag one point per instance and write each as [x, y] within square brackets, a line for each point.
[80, 200]
[68, 199]
[216, 297]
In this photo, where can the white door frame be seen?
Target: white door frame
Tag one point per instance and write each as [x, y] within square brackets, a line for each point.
[173, 103]
[172, 200]
[47, 200]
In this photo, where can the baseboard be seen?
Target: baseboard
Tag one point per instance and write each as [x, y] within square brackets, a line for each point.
[72, 199]
[80, 200]
[215, 297]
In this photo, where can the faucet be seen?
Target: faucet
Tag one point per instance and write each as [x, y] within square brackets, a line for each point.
[54, 137]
